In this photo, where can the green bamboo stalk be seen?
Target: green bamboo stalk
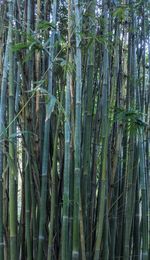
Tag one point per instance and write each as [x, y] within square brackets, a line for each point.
[148, 145]
[143, 174]
[71, 184]
[87, 132]
[12, 170]
[43, 188]
[34, 232]
[113, 214]
[37, 69]
[130, 186]
[82, 236]
[2, 15]
[46, 140]
[130, 195]
[6, 208]
[100, 219]
[53, 193]
[77, 138]
[27, 195]
[27, 127]
[2, 116]
[105, 133]
[135, 220]
[65, 221]
[144, 221]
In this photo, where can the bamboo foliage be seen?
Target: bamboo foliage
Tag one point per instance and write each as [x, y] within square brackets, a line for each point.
[74, 129]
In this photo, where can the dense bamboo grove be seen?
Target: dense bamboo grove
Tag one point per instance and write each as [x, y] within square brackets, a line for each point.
[75, 129]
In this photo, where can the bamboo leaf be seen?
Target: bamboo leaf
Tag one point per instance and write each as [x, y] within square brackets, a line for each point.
[45, 25]
[20, 133]
[20, 46]
[120, 13]
[50, 107]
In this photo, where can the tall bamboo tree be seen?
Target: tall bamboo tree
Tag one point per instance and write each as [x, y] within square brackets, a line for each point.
[77, 137]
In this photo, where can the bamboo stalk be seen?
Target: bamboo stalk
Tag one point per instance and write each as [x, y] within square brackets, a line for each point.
[66, 192]
[12, 170]
[77, 138]
[2, 116]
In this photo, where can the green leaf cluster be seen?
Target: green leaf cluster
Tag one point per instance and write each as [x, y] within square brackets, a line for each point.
[120, 14]
[45, 25]
[131, 117]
